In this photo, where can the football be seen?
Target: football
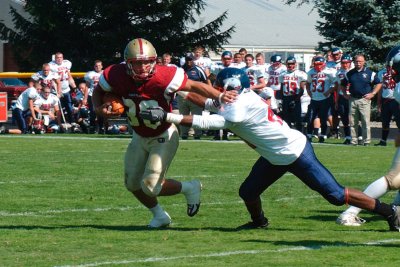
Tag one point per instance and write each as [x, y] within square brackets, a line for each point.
[116, 104]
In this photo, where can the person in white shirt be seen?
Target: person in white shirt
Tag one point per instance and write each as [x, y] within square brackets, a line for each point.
[281, 150]
[47, 106]
[63, 68]
[48, 78]
[24, 113]
[92, 79]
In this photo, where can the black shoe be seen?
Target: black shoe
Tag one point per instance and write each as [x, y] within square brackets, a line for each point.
[217, 138]
[381, 143]
[394, 219]
[184, 137]
[263, 223]
[225, 138]
[197, 138]
[347, 142]
[366, 144]
[321, 139]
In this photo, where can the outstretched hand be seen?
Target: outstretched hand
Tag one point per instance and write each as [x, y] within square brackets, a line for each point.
[153, 114]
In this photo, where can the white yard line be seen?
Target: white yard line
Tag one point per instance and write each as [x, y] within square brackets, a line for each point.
[229, 253]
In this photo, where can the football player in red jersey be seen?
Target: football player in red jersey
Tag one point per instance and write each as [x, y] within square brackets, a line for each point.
[142, 84]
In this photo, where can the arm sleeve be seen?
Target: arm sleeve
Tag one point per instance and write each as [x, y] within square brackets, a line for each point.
[212, 122]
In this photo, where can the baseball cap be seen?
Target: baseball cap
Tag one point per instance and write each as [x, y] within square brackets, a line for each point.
[189, 56]
[226, 54]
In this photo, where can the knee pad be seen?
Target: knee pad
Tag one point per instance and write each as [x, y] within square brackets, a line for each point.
[151, 186]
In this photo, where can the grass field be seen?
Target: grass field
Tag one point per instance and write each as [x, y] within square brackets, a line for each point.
[63, 203]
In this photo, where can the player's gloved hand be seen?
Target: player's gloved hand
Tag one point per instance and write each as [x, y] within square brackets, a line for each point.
[154, 114]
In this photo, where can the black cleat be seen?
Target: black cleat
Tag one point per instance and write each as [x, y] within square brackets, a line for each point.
[381, 143]
[347, 142]
[394, 219]
[262, 223]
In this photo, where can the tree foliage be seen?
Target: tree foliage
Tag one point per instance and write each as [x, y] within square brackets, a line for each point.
[100, 29]
[371, 27]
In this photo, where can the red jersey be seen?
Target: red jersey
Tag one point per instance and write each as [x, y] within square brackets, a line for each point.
[158, 91]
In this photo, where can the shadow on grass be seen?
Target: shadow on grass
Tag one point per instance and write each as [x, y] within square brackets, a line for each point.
[318, 244]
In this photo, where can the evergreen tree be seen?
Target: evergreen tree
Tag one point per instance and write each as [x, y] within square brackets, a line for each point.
[371, 27]
[100, 29]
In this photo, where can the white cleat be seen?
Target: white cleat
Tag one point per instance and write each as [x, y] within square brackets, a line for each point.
[160, 221]
[349, 219]
[193, 198]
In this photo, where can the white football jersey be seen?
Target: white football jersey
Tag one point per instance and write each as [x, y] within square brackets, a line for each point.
[203, 62]
[92, 79]
[320, 82]
[387, 92]
[290, 82]
[273, 79]
[63, 71]
[23, 99]
[47, 80]
[264, 68]
[250, 118]
[254, 73]
[47, 104]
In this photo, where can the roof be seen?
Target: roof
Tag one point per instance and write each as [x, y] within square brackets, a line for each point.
[265, 22]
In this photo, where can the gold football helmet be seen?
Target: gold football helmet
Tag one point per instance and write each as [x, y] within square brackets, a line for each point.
[140, 58]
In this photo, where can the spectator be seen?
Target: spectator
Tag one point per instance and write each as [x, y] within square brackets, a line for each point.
[47, 106]
[202, 61]
[238, 61]
[24, 112]
[243, 53]
[364, 85]
[342, 97]
[63, 68]
[260, 60]
[226, 59]
[92, 79]
[186, 107]
[318, 87]
[49, 79]
[255, 74]
[387, 105]
[274, 71]
[292, 85]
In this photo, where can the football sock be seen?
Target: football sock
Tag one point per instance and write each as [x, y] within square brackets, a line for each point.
[375, 190]
[157, 210]
[382, 209]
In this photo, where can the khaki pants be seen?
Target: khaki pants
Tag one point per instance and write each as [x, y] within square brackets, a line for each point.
[360, 111]
[186, 108]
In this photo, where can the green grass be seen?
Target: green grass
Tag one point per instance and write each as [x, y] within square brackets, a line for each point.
[63, 203]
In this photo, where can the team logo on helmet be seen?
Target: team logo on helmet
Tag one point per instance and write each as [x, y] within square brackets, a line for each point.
[232, 79]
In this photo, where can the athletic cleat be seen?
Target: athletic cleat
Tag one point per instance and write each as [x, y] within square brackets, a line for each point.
[394, 219]
[193, 198]
[381, 143]
[349, 219]
[263, 223]
[160, 221]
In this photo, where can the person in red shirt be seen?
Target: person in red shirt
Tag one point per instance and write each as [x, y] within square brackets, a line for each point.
[142, 84]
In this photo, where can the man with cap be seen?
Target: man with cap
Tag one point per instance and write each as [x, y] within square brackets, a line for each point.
[187, 107]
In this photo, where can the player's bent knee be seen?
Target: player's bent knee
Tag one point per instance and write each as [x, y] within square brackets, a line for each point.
[393, 179]
[150, 187]
[335, 199]
[246, 193]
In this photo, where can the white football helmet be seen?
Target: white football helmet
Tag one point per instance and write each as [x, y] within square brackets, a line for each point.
[140, 58]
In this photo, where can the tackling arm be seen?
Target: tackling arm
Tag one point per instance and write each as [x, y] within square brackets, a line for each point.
[209, 91]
